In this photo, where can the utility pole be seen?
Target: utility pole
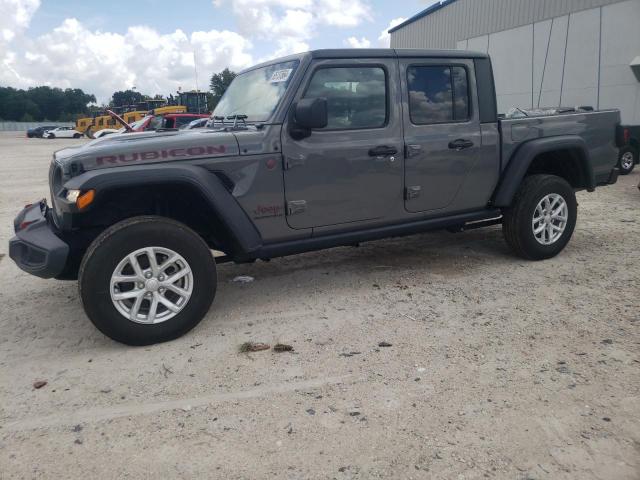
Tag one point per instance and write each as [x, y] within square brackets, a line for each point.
[195, 68]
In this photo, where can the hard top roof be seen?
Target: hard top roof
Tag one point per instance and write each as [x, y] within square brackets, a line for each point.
[394, 52]
[347, 53]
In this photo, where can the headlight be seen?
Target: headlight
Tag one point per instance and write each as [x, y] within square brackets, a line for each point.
[72, 195]
[82, 200]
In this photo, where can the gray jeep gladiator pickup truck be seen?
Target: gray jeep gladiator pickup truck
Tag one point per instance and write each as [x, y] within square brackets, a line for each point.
[311, 151]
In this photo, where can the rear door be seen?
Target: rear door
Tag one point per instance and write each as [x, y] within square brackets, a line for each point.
[441, 128]
[351, 170]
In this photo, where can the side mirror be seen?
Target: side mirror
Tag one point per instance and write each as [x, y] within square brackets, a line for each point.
[311, 113]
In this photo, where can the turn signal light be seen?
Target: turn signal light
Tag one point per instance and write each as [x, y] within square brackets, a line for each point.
[85, 199]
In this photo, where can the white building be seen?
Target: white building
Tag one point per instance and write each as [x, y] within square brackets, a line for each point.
[544, 52]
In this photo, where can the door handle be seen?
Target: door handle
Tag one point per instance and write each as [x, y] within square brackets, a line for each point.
[382, 151]
[460, 144]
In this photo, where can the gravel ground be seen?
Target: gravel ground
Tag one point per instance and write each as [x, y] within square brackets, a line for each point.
[498, 367]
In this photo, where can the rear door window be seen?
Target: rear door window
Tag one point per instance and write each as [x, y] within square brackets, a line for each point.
[438, 94]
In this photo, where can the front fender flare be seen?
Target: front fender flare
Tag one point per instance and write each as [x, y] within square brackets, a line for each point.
[206, 183]
[523, 156]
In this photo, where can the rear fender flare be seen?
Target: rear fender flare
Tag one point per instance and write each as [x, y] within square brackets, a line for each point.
[521, 160]
[198, 178]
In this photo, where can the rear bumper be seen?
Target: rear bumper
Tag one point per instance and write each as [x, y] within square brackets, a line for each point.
[36, 249]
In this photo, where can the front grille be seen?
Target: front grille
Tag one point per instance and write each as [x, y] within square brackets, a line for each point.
[55, 186]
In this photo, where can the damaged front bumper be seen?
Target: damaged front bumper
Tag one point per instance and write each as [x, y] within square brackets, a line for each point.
[36, 248]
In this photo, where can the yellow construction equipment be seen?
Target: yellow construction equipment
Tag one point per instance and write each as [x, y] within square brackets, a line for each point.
[102, 120]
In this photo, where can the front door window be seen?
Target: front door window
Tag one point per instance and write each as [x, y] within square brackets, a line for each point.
[356, 97]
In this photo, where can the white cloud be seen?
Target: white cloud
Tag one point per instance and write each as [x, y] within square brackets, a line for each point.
[289, 47]
[100, 62]
[294, 22]
[354, 42]
[343, 13]
[384, 40]
[103, 62]
[273, 18]
[15, 18]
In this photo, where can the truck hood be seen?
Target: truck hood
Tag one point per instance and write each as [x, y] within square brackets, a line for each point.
[146, 147]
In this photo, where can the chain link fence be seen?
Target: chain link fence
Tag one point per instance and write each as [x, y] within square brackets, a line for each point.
[24, 126]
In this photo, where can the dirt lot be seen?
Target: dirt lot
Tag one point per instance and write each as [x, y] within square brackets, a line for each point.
[498, 368]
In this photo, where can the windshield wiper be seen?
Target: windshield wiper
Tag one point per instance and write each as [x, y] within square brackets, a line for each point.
[237, 118]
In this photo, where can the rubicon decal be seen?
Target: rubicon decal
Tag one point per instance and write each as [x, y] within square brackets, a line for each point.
[161, 154]
[263, 211]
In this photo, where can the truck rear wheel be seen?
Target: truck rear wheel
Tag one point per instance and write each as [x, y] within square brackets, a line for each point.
[540, 221]
[147, 280]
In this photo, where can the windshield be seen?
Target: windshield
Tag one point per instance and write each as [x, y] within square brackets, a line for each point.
[256, 93]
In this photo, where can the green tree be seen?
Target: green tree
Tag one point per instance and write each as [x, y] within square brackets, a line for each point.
[126, 97]
[43, 103]
[219, 84]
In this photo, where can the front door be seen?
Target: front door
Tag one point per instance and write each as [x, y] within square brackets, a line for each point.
[351, 170]
[442, 131]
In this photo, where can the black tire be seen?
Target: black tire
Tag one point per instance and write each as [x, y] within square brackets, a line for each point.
[517, 219]
[51, 136]
[123, 238]
[77, 135]
[627, 153]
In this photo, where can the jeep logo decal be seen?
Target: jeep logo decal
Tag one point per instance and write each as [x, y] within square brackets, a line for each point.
[158, 154]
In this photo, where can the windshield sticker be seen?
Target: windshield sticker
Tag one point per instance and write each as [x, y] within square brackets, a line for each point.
[280, 75]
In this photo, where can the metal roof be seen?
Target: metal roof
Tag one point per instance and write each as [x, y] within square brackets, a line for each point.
[427, 11]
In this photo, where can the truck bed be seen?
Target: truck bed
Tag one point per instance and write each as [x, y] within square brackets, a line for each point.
[597, 129]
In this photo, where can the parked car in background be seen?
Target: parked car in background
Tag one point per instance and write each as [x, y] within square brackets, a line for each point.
[169, 120]
[62, 132]
[106, 131]
[197, 123]
[153, 122]
[37, 132]
[629, 155]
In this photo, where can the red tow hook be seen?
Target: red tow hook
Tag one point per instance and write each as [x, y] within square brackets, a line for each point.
[24, 225]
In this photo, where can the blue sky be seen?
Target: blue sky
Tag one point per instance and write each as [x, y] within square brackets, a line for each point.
[104, 46]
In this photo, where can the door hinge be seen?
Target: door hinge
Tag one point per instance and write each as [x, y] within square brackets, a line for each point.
[412, 192]
[411, 151]
[296, 206]
[290, 162]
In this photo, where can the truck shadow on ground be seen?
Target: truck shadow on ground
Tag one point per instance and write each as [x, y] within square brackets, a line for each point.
[284, 281]
[437, 252]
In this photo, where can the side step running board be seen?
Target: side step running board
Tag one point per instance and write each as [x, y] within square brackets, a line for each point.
[376, 233]
[474, 225]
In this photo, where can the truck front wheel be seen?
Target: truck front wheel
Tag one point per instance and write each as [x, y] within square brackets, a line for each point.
[540, 221]
[147, 280]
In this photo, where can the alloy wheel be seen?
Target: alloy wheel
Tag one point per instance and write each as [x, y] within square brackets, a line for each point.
[550, 219]
[151, 285]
